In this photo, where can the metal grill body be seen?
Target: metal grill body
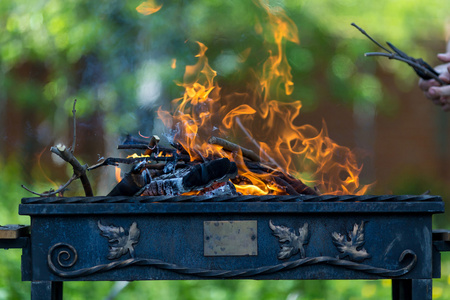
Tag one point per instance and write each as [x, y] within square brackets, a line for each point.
[264, 238]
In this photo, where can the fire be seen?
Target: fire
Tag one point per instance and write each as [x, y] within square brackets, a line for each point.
[118, 174]
[42, 172]
[160, 154]
[135, 155]
[269, 126]
[148, 7]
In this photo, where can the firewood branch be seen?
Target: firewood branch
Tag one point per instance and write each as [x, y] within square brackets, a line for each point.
[66, 154]
[238, 121]
[115, 161]
[78, 169]
[229, 146]
[51, 193]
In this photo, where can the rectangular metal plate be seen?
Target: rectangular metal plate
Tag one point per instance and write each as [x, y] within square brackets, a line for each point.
[230, 238]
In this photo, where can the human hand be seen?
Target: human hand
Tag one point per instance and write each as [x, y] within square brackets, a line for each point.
[433, 90]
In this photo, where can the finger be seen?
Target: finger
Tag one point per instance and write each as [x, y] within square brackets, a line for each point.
[424, 85]
[432, 95]
[445, 57]
[445, 76]
[440, 91]
[442, 68]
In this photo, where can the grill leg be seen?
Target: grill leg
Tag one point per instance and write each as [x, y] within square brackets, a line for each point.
[412, 289]
[48, 290]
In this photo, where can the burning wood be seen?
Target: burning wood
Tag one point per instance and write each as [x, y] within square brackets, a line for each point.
[171, 171]
[196, 178]
[233, 147]
[154, 175]
[172, 180]
[152, 145]
[194, 164]
[132, 182]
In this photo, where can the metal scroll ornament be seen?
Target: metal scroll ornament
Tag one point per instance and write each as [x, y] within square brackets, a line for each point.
[62, 257]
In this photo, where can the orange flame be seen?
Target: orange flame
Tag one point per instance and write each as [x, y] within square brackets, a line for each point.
[118, 174]
[269, 125]
[39, 157]
[148, 7]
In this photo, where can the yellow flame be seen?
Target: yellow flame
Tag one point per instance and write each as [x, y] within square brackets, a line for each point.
[135, 155]
[39, 157]
[148, 7]
[118, 174]
[270, 124]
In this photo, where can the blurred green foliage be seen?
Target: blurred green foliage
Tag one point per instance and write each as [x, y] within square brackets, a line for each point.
[105, 54]
[97, 51]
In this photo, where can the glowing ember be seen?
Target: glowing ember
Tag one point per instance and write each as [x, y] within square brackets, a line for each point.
[268, 125]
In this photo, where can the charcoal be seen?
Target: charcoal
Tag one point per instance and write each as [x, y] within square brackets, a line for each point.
[132, 182]
[194, 178]
[203, 174]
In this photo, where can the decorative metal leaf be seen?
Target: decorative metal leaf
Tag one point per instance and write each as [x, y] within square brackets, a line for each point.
[120, 242]
[351, 246]
[293, 242]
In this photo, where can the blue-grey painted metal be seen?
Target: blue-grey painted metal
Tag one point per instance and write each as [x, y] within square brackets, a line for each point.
[167, 241]
[50, 290]
[301, 237]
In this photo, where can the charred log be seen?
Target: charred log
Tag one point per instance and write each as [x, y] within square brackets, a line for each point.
[132, 182]
[292, 185]
[194, 178]
[202, 175]
[115, 161]
[295, 183]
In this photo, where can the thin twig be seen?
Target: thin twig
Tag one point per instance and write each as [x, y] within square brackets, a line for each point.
[61, 189]
[229, 146]
[115, 161]
[66, 154]
[401, 57]
[370, 38]
[78, 169]
[74, 126]
[238, 121]
[409, 62]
